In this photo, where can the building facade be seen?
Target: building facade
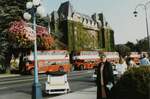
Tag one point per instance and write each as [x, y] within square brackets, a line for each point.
[78, 31]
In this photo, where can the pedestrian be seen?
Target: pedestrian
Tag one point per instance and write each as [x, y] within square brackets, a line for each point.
[105, 79]
[132, 63]
[121, 67]
[144, 60]
[127, 59]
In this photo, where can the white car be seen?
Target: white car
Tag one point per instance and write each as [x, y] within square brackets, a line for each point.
[56, 84]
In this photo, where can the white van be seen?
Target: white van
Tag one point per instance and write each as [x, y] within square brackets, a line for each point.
[57, 83]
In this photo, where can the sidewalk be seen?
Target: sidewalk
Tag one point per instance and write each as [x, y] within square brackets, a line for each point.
[8, 75]
[89, 93]
[16, 95]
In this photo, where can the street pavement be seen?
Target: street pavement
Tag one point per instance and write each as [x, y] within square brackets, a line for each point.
[22, 93]
[16, 95]
[89, 93]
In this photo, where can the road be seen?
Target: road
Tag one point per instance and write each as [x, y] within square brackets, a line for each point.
[77, 80]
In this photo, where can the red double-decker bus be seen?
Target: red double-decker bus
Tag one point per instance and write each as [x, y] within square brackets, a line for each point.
[85, 59]
[48, 60]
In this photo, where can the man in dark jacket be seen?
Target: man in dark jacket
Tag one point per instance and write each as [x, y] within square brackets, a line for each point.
[105, 79]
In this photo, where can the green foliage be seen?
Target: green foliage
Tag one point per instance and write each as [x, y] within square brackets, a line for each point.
[10, 10]
[42, 21]
[112, 41]
[134, 84]
[45, 42]
[71, 36]
[122, 49]
[142, 45]
[80, 38]
[106, 39]
[3, 47]
[3, 50]
[132, 46]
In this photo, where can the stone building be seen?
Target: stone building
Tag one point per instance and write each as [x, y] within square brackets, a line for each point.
[78, 31]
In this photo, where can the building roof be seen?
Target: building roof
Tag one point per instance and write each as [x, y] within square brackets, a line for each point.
[66, 9]
[55, 15]
[84, 16]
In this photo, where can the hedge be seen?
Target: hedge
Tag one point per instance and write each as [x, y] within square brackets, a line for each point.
[134, 84]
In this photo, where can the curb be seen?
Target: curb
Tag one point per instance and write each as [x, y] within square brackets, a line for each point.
[89, 93]
[9, 75]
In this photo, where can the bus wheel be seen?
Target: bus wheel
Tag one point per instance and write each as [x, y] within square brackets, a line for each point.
[32, 71]
[81, 67]
[75, 67]
[94, 67]
[61, 68]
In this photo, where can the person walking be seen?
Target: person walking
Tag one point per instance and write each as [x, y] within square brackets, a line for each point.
[144, 60]
[132, 63]
[105, 79]
[121, 67]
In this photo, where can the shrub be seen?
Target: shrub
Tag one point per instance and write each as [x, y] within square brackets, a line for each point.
[134, 84]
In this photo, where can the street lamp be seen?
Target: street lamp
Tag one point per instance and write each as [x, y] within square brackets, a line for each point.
[32, 8]
[146, 19]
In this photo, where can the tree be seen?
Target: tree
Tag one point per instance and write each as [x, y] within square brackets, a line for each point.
[131, 46]
[134, 84]
[21, 38]
[10, 10]
[3, 50]
[122, 49]
[142, 45]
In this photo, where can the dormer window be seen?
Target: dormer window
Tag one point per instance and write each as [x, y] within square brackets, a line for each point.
[86, 21]
[82, 20]
[90, 22]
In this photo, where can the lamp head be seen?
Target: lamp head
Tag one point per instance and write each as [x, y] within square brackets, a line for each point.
[27, 16]
[36, 2]
[40, 11]
[135, 13]
[29, 5]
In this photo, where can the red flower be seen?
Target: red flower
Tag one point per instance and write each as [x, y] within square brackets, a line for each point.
[22, 34]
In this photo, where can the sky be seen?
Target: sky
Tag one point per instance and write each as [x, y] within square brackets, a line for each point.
[118, 13]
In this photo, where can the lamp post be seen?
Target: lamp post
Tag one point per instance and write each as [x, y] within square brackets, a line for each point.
[146, 19]
[33, 7]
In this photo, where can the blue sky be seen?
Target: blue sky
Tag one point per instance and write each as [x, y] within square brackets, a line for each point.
[118, 13]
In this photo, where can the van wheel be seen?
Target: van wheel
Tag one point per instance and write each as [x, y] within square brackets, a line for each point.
[75, 67]
[61, 69]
